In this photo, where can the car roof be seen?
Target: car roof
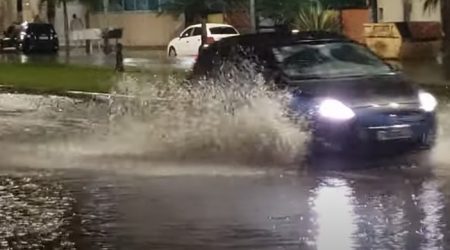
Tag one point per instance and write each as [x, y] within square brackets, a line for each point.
[35, 25]
[211, 25]
[279, 38]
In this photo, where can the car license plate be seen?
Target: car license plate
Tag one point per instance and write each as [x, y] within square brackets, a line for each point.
[394, 134]
[43, 38]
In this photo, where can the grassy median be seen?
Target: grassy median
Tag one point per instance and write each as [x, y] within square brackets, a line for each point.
[59, 78]
[56, 77]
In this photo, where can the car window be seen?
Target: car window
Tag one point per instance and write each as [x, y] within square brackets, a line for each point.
[40, 28]
[197, 32]
[338, 59]
[187, 33]
[223, 31]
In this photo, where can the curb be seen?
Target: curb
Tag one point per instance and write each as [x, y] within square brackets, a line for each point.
[96, 96]
[91, 96]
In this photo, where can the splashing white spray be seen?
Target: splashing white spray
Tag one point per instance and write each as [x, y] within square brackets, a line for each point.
[231, 122]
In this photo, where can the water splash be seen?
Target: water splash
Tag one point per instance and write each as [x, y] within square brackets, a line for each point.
[232, 121]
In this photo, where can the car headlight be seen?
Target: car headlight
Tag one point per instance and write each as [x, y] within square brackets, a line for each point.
[336, 110]
[427, 101]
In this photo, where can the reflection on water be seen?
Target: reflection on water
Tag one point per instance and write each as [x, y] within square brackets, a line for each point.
[431, 202]
[335, 218]
[154, 60]
[373, 209]
[24, 59]
[364, 211]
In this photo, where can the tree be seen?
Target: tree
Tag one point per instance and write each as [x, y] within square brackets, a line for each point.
[430, 4]
[287, 11]
[51, 10]
[316, 17]
[66, 26]
[407, 8]
[90, 5]
[280, 12]
[51, 13]
[445, 20]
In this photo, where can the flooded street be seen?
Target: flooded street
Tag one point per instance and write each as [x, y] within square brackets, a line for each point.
[215, 168]
[55, 196]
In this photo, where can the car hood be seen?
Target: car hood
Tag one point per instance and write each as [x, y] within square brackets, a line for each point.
[361, 90]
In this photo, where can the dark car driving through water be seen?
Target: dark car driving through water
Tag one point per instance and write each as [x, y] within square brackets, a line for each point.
[30, 37]
[352, 99]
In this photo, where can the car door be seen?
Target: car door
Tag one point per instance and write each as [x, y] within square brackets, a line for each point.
[182, 45]
[194, 41]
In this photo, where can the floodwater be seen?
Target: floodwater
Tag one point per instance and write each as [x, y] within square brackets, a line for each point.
[55, 196]
[209, 168]
[133, 59]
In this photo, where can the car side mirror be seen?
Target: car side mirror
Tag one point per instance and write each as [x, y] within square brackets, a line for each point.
[395, 66]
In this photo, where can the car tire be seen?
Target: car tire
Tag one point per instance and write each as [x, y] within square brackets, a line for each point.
[25, 49]
[428, 140]
[172, 52]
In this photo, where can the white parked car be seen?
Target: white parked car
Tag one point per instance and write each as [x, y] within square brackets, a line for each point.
[190, 40]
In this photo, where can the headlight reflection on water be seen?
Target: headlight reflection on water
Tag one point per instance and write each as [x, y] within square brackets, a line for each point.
[335, 215]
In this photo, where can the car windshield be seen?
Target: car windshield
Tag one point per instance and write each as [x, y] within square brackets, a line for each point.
[328, 60]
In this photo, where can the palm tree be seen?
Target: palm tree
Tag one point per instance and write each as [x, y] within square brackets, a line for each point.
[445, 12]
[51, 10]
[430, 4]
[66, 26]
[407, 8]
[90, 5]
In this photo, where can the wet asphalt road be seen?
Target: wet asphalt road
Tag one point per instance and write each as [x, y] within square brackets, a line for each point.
[401, 204]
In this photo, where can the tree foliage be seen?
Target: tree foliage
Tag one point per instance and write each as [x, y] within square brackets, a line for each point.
[198, 6]
[316, 17]
[430, 4]
[286, 11]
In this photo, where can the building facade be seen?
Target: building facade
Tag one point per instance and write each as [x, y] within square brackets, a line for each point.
[142, 22]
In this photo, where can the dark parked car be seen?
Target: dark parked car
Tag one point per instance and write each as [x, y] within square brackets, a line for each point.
[10, 39]
[31, 37]
[352, 98]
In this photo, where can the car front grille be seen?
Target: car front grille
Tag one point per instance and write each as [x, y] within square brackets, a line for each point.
[390, 117]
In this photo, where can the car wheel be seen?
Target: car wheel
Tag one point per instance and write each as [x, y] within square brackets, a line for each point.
[25, 49]
[428, 140]
[172, 52]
